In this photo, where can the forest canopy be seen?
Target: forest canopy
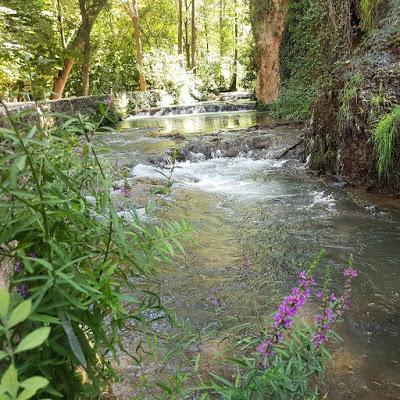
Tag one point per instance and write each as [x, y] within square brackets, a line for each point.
[60, 48]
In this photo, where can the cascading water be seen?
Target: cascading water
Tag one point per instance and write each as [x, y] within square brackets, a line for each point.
[256, 224]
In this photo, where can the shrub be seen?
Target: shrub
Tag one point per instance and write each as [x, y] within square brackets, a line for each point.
[73, 254]
[385, 134]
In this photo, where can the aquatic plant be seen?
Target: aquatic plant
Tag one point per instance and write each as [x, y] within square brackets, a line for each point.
[385, 135]
[71, 255]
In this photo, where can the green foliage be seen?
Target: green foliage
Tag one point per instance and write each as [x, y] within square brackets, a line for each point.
[368, 9]
[302, 60]
[295, 373]
[75, 254]
[28, 47]
[386, 134]
[347, 96]
[313, 44]
[10, 387]
[165, 71]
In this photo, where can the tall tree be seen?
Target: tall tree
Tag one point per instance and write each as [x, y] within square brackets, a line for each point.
[233, 86]
[193, 64]
[180, 27]
[133, 10]
[187, 44]
[268, 24]
[89, 9]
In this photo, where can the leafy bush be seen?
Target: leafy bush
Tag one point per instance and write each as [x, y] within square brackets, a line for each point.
[10, 387]
[73, 254]
[386, 133]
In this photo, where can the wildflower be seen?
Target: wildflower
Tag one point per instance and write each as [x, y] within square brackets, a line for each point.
[125, 191]
[19, 266]
[109, 101]
[350, 273]
[318, 339]
[32, 254]
[332, 297]
[287, 310]
[23, 290]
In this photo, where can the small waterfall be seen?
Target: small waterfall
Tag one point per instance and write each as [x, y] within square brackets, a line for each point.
[199, 108]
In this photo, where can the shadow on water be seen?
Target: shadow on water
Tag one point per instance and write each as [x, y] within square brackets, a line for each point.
[257, 224]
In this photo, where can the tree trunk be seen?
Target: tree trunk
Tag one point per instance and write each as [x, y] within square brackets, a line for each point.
[268, 23]
[187, 44]
[61, 25]
[86, 67]
[193, 65]
[62, 78]
[134, 14]
[89, 15]
[233, 87]
[180, 27]
[221, 28]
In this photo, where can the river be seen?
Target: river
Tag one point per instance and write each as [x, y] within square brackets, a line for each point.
[257, 223]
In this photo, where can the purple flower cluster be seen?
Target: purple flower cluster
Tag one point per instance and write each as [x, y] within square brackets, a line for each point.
[19, 267]
[23, 290]
[283, 319]
[324, 320]
[331, 309]
[349, 273]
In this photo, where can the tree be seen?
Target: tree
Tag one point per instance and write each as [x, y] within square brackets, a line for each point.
[133, 10]
[89, 9]
[180, 27]
[268, 23]
[233, 86]
[193, 64]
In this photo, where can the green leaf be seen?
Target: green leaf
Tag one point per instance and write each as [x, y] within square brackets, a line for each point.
[34, 339]
[35, 383]
[21, 162]
[26, 394]
[10, 381]
[72, 339]
[4, 303]
[20, 313]
[3, 354]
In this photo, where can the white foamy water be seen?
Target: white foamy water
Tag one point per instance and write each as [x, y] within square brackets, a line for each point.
[221, 175]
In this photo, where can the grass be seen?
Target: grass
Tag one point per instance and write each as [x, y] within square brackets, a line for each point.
[346, 97]
[385, 135]
[368, 10]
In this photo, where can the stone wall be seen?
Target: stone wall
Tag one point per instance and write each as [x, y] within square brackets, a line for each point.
[123, 104]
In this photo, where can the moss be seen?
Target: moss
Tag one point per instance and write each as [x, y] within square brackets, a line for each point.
[386, 135]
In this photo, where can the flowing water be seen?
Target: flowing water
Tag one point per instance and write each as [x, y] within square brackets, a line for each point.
[256, 225]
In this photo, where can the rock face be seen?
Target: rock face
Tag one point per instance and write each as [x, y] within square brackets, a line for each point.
[346, 150]
[268, 23]
[275, 142]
